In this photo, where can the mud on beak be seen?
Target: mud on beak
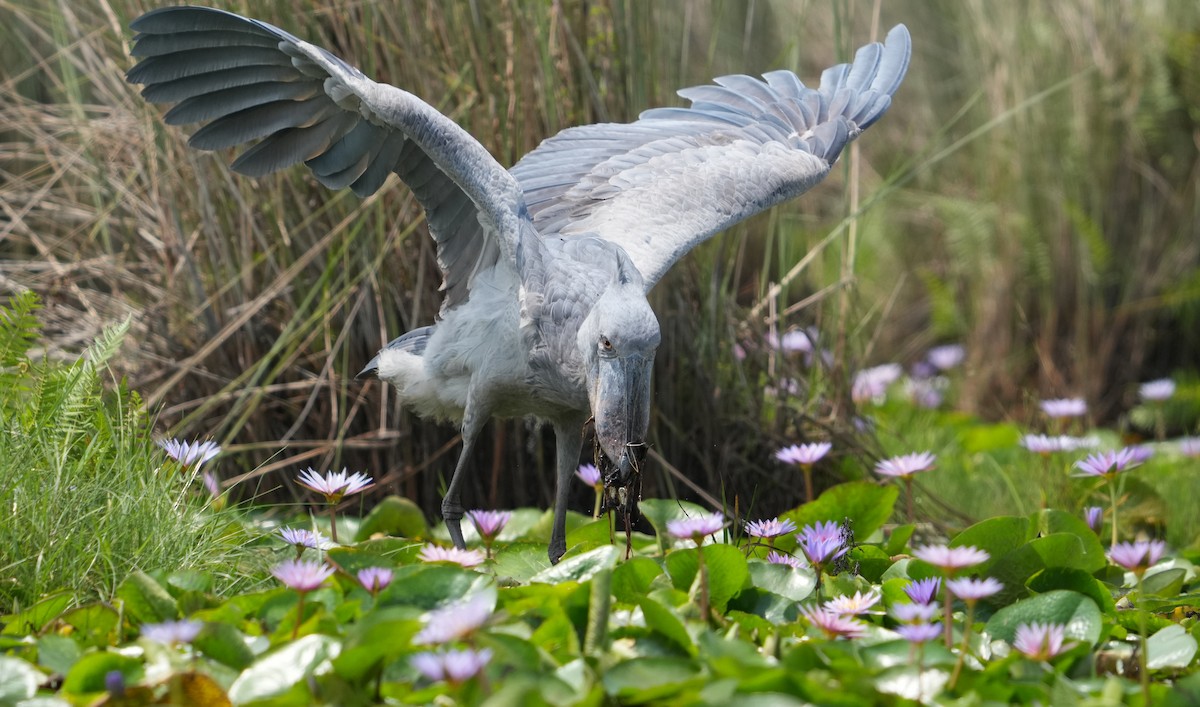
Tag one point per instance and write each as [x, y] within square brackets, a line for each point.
[621, 410]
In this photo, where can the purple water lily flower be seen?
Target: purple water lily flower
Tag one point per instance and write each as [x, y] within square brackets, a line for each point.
[909, 613]
[1190, 447]
[1094, 515]
[589, 474]
[301, 538]
[923, 591]
[821, 543]
[772, 528]
[1108, 464]
[919, 633]
[1043, 444]
[489, 523]
[1138, 556]
[779, 558]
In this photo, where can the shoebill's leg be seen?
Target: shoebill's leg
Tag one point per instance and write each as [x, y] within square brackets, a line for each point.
[568, 441]
[475, 417]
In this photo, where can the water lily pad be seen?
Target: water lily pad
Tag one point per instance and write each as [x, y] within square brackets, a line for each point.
[276, 672]
[1171, 647]
[1077, 612]
[580, 568]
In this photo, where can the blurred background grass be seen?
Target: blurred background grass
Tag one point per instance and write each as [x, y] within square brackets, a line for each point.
[1031, 194]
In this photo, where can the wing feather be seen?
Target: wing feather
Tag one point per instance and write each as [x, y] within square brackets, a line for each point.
[662, 185]
[247, 81]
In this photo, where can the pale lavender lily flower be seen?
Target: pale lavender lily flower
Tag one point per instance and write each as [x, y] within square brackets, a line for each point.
[173, 632]
[302, 575]
[1039, 641]
[189, 453]
[919, 633]
[1190, 447]
[489, 523]
[972, 590]
[951, 559]
[1064, 407]
[1107, 464]
[803, 454]
[906, 465]
[463, 558]
[374, 579]
[946, 357]
[1156, 391]
[589, 474]
[334, 486]
[779, 558]
[853, 605]
[1094, 515]
[834, 625]
[455, 666]
[910, 613]
[456, 621]
[696, 527]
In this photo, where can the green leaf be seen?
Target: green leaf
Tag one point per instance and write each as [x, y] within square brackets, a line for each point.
[36, 617]
[520, 561]
[659, 511]
[1063, 550]
[580, 568]
[146, 601]
[1075, 580]
[979, 438]
[224, 644]
[95, 624]
[1077, 612]
[1167, 583]
[18, 680]
[648, 679]
[56, 653]
[661, 619]
[997, 536]
[189, 581]
[379, 637]
[868, 506]
[1091, 556]
[395, 516]
[89, 672]
[791, 584]
[727, 572]
[898, 540]
[590, 536]
[277, 671]
[1172, 647]
[632, 578]
[430, 586]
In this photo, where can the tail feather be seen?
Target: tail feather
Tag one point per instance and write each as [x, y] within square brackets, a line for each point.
[412, 342]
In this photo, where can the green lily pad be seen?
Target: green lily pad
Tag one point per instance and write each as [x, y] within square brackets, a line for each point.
[789, 583]
[727, 572]
[395, 516]
[277, 671]
[1171, 647]
[580, 568]
[1076, 612]
[662, 619]
[146, 601]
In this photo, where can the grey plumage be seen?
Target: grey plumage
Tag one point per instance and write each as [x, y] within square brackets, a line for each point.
[546, 265]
